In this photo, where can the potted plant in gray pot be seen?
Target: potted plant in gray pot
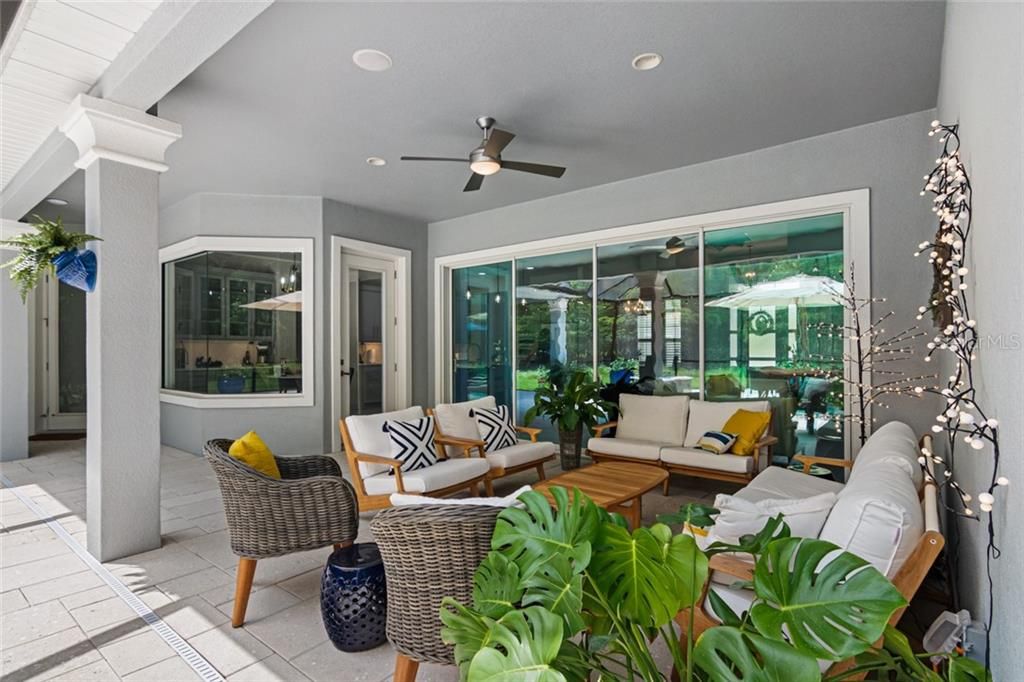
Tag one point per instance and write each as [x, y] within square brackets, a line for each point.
[572, 408]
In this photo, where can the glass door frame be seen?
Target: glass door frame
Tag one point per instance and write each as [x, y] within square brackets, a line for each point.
[52, 418]
[854, 205]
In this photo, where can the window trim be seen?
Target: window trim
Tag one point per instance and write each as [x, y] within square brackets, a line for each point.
[854, 205]
[302, 246]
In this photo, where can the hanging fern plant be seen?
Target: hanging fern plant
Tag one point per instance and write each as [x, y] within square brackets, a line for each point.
[37, 251]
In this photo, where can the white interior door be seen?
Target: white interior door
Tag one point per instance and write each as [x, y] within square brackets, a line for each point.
[63, 373]
[369, 365]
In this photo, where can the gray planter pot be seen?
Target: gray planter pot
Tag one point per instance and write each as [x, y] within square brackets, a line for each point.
[569, 447]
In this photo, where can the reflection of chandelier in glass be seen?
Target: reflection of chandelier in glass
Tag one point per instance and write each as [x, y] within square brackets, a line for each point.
[637, 307]
[290, 283]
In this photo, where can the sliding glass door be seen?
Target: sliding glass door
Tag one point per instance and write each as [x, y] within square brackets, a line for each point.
[554, 322]
[481, 334]
[727, 313]
[767, 290]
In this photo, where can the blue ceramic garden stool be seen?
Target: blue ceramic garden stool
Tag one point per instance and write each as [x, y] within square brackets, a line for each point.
[354, 598]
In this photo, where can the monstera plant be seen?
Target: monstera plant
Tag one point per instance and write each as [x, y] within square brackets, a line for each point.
[570, 593]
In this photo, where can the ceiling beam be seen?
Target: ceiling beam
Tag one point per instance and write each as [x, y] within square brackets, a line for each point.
[177, 38]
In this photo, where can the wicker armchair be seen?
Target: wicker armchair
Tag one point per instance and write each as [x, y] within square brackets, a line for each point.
[311, 506]
[429, 552]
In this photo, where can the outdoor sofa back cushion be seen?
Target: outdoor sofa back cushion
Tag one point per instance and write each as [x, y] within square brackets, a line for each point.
[453, 420]
[661, 419]
[369, 437]
[878, 517]
[706, 415]
[896, 443]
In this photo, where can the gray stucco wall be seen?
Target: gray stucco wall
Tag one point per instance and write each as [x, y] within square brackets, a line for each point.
[982, 87]
[888, 157]
[287, 430]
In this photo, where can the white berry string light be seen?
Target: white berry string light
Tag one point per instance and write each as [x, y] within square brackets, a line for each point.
[871, 374]
[963, 420]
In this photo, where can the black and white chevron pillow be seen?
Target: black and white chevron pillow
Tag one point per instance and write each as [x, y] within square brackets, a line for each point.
[412, 443]
[495, 427]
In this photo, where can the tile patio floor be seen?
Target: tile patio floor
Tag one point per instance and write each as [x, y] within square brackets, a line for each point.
[60, 621]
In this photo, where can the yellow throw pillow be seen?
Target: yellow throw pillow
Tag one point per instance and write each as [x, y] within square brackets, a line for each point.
[748, 427]
[253, 452]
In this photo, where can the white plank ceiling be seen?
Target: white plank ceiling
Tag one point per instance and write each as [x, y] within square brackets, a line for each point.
[62, 49]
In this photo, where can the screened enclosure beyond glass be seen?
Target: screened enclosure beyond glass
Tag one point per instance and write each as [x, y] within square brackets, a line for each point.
[233, 323]
[632, 315]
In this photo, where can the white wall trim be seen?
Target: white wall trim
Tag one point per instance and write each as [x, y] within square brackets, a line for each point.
[302, 246]
[402, 259]
[855, 205]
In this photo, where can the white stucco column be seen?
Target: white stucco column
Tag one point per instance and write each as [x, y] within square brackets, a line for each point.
[15, 410]
[122, 152]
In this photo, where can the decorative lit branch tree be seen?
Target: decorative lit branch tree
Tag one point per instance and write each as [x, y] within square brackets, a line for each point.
[964, 421]
[871, 373]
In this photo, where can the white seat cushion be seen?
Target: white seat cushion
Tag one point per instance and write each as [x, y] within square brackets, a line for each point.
[738, 517]
[453, 420]
[369, 438]
[894, 442]
[510, 500]
[653, 418]
[627, 447]
[779, 482]
[699, 459]
[709, 415]
[523, 452]
[878, 517]
[445, 473]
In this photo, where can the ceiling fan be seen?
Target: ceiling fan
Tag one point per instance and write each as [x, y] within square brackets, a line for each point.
[486, 159]
[673, 246]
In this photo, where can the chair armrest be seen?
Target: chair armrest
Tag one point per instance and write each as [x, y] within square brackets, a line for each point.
[465, 444]
[601, 428]
[306, 466]
[387, 461]
[530, 431]
[766, 442]
[730, 565]
[808, 461]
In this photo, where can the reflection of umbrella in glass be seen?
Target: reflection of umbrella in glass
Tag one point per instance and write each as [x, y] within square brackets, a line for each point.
[802, 290]
[285, 302]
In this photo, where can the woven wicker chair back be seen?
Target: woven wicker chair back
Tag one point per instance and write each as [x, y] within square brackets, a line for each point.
[430, 552]
[270, 517]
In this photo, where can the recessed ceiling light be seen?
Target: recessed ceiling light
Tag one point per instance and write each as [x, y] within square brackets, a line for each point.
[646, 61]
[371, 60]
[56, 201]
[376, 161]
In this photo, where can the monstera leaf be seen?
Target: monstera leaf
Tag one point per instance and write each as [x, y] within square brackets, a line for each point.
[557, 588]
[466, 630]
[832, 604]
[530, 536]
[963, 669]
[728, 654]
[693, 514]
[687, 564]
[755, 544]
[633, 572]
[530, 642]
[496, 586]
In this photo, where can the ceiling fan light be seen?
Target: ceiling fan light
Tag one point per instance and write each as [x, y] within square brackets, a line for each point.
[485, 166]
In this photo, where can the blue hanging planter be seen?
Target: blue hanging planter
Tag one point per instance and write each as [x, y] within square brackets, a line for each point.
[77, 268]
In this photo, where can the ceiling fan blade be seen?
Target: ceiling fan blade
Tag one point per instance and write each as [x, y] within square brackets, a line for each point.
[475, 180]
[432, 158]
[536, 168]
[497, 141]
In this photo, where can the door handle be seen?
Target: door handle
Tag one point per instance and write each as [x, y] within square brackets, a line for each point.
[346, 374]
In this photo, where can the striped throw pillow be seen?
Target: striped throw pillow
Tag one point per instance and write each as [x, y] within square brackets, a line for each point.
[495, 426]
[717, 442]
[412, 443]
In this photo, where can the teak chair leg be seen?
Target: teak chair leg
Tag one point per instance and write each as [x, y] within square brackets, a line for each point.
[405, 668]
[540, 472]
[243, 586]
[665, 484]
[488, 487]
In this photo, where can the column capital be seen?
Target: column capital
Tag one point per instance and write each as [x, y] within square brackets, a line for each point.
[102, 129]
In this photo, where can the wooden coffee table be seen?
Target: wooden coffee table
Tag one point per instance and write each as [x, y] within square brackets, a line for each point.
[615, 486]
